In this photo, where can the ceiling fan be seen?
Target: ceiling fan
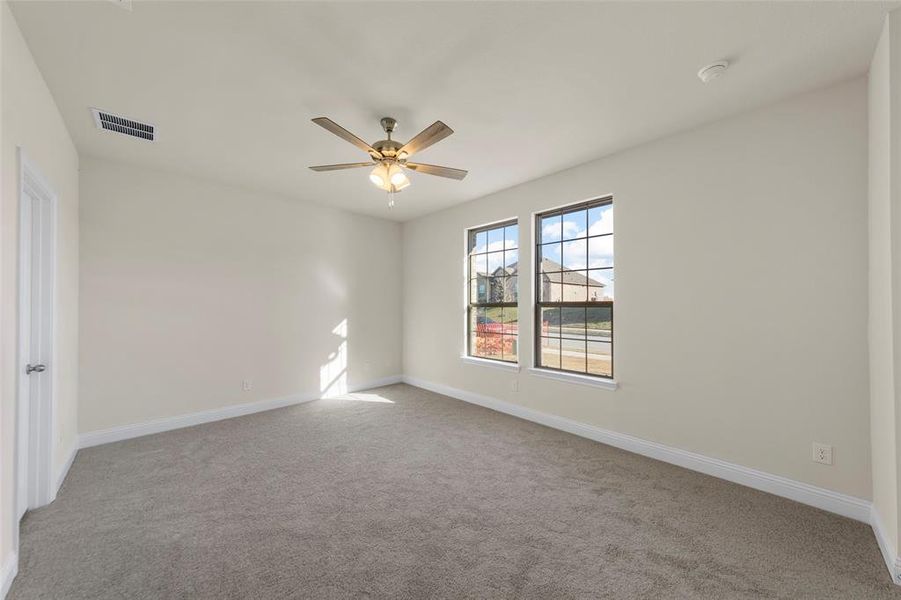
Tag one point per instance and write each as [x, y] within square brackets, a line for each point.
[390, 156]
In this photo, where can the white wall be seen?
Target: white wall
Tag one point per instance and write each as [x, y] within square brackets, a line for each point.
[883, 408]
[31, 120]
[741, 290]
[188, 287]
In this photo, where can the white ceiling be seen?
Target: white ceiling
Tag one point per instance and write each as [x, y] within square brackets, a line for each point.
[530, 89]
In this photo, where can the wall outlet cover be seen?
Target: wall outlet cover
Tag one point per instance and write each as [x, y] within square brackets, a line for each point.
[822, 453]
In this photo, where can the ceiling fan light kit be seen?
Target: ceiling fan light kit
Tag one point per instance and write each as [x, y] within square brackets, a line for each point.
[389, 177]
[390, 156]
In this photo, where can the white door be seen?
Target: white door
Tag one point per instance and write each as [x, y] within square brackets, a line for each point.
[37, 245]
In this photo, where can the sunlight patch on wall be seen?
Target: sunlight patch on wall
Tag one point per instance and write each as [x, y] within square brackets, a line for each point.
[333, 374]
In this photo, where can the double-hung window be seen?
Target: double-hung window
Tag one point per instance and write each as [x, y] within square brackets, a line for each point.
[493, 292]
[574, 288]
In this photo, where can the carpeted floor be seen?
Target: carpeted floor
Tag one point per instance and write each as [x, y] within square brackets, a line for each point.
[402, 493]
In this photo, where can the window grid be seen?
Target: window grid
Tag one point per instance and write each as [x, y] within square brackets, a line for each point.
[557, 346]
[492, 299]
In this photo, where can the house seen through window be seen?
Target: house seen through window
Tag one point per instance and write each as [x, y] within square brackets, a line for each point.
[492, 313]
[574, 289]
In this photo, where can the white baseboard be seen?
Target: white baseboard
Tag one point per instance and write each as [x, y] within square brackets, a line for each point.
[847, 506]
[64, 470]
[390, 380]
[9, 571]
[125, 432]
[886, 546]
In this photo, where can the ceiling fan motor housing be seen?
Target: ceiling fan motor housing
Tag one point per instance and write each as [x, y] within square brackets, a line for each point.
[387, 148]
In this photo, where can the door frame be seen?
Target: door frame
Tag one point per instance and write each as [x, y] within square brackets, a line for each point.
[40, 424]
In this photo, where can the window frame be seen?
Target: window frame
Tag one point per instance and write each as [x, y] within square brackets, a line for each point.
[538, 304]
[469, 237]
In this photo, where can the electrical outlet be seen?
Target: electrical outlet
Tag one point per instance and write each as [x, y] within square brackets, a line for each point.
[822, 453]
[515, 385]
[247, 385]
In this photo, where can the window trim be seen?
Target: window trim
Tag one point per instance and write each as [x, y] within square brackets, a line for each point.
[604, 381]
[607, 383]
[466, 355]
[493, 363]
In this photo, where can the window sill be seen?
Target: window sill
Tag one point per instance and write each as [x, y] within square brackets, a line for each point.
[606, 384]
[494, 364]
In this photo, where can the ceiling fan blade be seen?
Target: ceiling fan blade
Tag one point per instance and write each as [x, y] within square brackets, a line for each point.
[341, 166]
[344, 134]
[432, 134]
[436, 170]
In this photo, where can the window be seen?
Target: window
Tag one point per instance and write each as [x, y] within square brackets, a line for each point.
[574, 289]
[492, 313]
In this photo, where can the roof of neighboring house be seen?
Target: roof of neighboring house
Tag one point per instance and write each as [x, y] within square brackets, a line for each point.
[549, 267]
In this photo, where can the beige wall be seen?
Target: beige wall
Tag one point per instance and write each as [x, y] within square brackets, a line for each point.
[741, 290]
[188, 287]
[31, 120]
[884, 78]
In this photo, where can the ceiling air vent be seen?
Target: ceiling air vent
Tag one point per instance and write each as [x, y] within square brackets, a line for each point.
[123, 125]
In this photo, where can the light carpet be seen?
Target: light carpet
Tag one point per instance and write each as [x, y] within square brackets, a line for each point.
[402, 493]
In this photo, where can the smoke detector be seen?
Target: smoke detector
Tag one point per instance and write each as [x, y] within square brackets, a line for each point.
[712, 71]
